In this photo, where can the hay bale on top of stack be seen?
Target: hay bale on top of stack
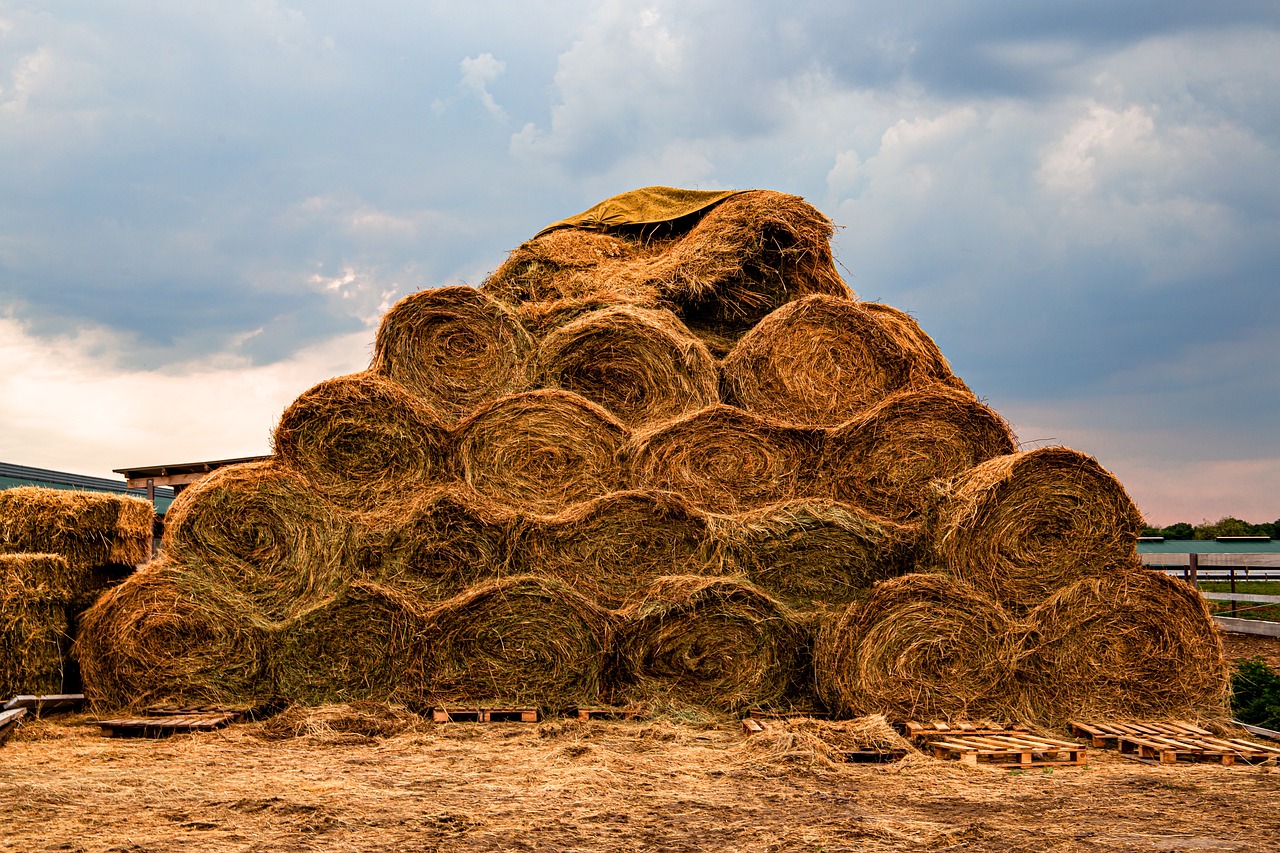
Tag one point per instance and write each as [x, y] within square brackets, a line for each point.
[548, 491]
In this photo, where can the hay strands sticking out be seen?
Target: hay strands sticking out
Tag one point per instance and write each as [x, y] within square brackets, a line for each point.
[568, 264]
[820, 361]
[641, 365]
[1024, 525]
[813, 552]
[724, 460]
[362, 441]
[616, 544]
[166, 636]
[1133, 643]
[887, 459]
[89, 529]
[709, 642]
[920, 646]
[455, 348]
[516, 642]
[541, 451]
[261, 530]
[438, 543]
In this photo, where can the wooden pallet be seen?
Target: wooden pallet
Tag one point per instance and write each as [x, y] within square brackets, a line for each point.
[1014, 751]
[9, 722]
[917, 730]
[48, 704]
[761, 714]
[1108, 734]
[165, 726]
[585, 714]
[873, 756]
[485, 715]
[1161, 749]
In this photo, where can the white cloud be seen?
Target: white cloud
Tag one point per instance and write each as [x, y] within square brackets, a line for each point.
[477, 73]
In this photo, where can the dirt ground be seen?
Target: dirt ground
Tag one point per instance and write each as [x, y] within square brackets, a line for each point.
[569, 786]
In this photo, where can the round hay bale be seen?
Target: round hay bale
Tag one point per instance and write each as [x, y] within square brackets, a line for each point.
[717, 643]
[642, 366]
[438, 544]
[745, 257]
[453, 347]
[723, 459]
[612, 546]
[1022, 526]
[886, 459]
[541, 451]
[165, 635]
[565, 263]
[1132, 643]
[262, 530]
[920, 646]
[925, 355]
[544, 317]
[818, 361]
[359, 645]
[813, 552]
[362, 441]
[524, 640]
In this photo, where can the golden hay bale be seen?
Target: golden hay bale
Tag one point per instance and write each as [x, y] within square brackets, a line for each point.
[1133, 643]
[359, 645]
[886, 459]
[455, 348]
[1022, 526]
[925, 354]
[717, 643]
[544, 317]
[565, 263]
[165, 635]
[812, 552]
[89, 529]
[612, 546]
[346, 722]
[438, 544]
[642, 366]
[723, 459]
[822, 742]
[541, 450]
[262, 530]
[820, 361]
[524, 640]
[41, 577]
[362, 441]
[35, 590]
[920, 646]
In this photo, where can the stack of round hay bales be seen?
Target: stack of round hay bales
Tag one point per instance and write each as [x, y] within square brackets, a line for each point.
[662, 457]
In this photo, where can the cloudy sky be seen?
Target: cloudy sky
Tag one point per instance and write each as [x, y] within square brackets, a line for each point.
[205, 207]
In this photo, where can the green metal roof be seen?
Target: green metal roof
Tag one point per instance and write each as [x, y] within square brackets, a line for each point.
[1209, 546]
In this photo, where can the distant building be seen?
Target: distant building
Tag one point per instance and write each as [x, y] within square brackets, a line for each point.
[22, 475]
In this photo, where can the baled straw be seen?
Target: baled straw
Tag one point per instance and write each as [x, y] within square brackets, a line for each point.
[717, 643]
[262, 530]
[1022, 526]
[359, 645]
[812, 552]
[642, 366]
[543, 318]
[438, 544]
[725, 460]
[745, 257]
[614, 545]
[1132, 643]
[455, 348]
[565, 263]
[541, 451]
[35, 590]
[41, 577]
[362, 441]
[920, 646]
[886, 459]
[163, 635]
[820, 361]
[926, 357]
[524, 640]
[89, 529]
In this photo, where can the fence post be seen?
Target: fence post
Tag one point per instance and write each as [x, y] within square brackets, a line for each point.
[1233, 591]
[1193, 568]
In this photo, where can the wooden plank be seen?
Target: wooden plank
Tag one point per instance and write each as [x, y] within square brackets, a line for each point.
[9, 722]
[46, 704]
[1241, 596]
[751, 726]
[585, 714]
[164, 726]
[1258, 730]
[485, 715]
[1256, 627]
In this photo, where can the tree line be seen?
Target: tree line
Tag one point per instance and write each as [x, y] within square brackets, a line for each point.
[1226, 526]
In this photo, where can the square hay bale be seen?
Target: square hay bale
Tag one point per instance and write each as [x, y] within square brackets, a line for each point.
[33, 630]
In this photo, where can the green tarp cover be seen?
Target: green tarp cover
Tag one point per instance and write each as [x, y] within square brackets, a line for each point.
[647, 206]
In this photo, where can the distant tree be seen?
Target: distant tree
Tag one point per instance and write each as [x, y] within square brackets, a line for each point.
[1225, 526]
[1181, 530]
